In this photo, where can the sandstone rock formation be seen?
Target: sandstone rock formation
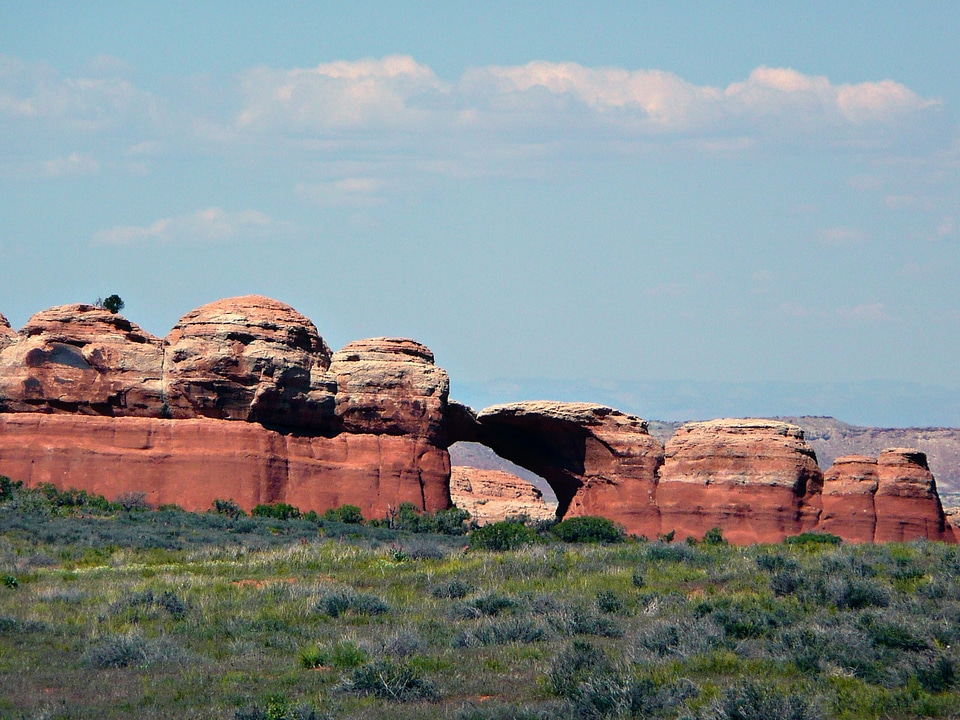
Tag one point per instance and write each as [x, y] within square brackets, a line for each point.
[243, 400]
[7, 335]
[249, 358]
[907, 503]
[756, 479]
[849, 487]
[892, 498]
[598, 460]
[390, 386]
[491, 496]
[192, 462]
[278, 427]
[82, 359]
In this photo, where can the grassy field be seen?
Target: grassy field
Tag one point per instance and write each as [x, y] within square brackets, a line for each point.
[114, 611]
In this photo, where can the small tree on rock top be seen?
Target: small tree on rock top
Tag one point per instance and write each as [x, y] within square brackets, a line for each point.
[113, 303]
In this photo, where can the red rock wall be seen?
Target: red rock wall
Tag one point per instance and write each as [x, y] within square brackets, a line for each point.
[907, 504]
[192, 462]
[755, 479]
[849, 486]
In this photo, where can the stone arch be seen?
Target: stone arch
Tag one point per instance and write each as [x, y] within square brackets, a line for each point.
[599, 461]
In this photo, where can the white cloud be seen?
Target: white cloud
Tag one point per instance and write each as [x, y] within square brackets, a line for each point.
[351, 192]
[868, 312]
[546, 100]
[211, 225]
[842, 236]
[340, 95]
[97, 102]
[72, 164]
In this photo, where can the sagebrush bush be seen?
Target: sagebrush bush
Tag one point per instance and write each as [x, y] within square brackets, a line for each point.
[454, 588]
[588, 529]
[751, 700]
[346, 514]
[514, 629]
[502, 536]
[389, 680]
[340, 602]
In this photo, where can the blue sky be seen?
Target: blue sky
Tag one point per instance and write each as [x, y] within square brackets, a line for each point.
[684, 209]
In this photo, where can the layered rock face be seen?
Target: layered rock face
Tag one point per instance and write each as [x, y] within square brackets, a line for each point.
[492, 495]
[278, 427]
[7, 335]
[907, 504]
[892, 498]
[192, 462]
[81, 359]
[390, 386]
[598, 460]
[756, 479]
[849, 487]
[249, 358]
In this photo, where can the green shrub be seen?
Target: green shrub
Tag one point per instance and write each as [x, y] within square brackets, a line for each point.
[342, 602]
[409, 518]
[131, 650]
[588, 529]
[515, 629]
[609, 602]
[494, 604]
[346, 514]
[714, 536]
[751, 700]
[453, 589]
[7, 488]
[892, 635]
[857, 594]
[665, 552]
[582, 622]
[277, 511]
[389, 680]
[936, 672]
[813, 539]
[574, 664]
[228, 508]
[503, 535]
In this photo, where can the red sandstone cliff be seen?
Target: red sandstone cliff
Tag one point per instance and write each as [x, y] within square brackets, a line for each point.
[257, 412]
[756, 479]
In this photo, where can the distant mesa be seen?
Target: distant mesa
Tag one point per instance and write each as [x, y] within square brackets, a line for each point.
[244, 400]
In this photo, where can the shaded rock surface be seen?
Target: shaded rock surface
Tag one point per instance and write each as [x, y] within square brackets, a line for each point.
[81, 359]
[599, 461]
[7, 334]
[390, 386]
[849, 487]
[756, 479]
[492, 495]
[249, 358]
